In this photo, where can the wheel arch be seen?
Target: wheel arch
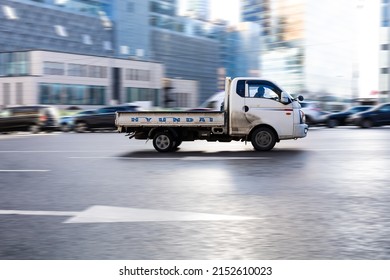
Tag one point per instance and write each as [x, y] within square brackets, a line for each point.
[155, 130]
[249, 136]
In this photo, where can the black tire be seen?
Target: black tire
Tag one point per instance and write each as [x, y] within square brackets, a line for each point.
[332, 123]
[366, 123]
[81, 127]
[65, 127]
[263, 139]
[163, 142]
[34, 128]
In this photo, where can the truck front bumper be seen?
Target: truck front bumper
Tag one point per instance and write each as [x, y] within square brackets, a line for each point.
[300, 130]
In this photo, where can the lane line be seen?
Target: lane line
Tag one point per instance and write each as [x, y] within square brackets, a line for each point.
[24, 170]
[38, 213]
[97, 151]
[192, 158]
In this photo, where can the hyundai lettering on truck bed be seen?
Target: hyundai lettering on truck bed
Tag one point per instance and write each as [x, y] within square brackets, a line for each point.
[254, 110]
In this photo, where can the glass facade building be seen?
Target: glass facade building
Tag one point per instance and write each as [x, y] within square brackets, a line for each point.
[198, 9]
[306, 45]
[14, 64]
[48, 25]
[384, 59]
[124, 29]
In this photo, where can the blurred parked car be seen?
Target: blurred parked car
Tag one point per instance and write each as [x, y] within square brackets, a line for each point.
[377, 116]
[340, 118]
[213, 103]
[103, 118]
[313, 112]
[34, 118]
[67, 122]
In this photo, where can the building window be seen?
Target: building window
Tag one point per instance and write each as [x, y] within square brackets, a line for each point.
[64, 94]
[140, 52]
[87, 39]
[137, 75]
[53, 68]
[125, 50]
[142, 94]
[10, 12]
[77, 70]
[385, 16]
[97, 71]
[14, 64]
[384, 70]
[60, 2]
[385, 47]
[61, 30]
[105, 20]
[107, 46]
[130, 7]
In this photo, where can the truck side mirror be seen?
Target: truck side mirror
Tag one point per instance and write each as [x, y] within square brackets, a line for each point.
[285, 99]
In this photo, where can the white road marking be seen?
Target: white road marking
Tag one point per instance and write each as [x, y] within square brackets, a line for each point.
[97, 151]
[16, 135]
[23, 170]
[223, 158]
[193, 158]
[38, 213]
[110, 214]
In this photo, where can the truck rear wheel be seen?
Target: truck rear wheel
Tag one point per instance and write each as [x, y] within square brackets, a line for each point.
[263, 139]
[163, 142]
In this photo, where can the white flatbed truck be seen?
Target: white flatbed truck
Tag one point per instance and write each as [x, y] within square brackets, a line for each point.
[254, 110]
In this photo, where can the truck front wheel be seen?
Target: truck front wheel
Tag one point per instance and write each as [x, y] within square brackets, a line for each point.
[263, 139]
[163, 142]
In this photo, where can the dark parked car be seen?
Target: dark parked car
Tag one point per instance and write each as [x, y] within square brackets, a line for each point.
[340, 118]
[67, 122]
[103, 118]
[34, 118]
[377, 116]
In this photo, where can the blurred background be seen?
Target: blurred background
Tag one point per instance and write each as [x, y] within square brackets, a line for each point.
[83, 54]
[71, 64]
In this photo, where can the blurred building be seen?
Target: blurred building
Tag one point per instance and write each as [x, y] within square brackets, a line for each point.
[198, 9]
[384, 60]
[144, 30]
[244, 49]
[307, 46]
[68, 79]
[49, 25]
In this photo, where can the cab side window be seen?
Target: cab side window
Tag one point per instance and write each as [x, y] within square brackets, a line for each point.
[262, 91]
[240, 90]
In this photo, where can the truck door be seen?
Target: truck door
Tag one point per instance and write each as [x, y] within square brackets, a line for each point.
[260, 104]
[263, 106]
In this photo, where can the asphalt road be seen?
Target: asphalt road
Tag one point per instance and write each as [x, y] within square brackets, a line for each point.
[102, 196]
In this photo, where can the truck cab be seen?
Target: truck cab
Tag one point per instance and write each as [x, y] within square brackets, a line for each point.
[255, 102]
